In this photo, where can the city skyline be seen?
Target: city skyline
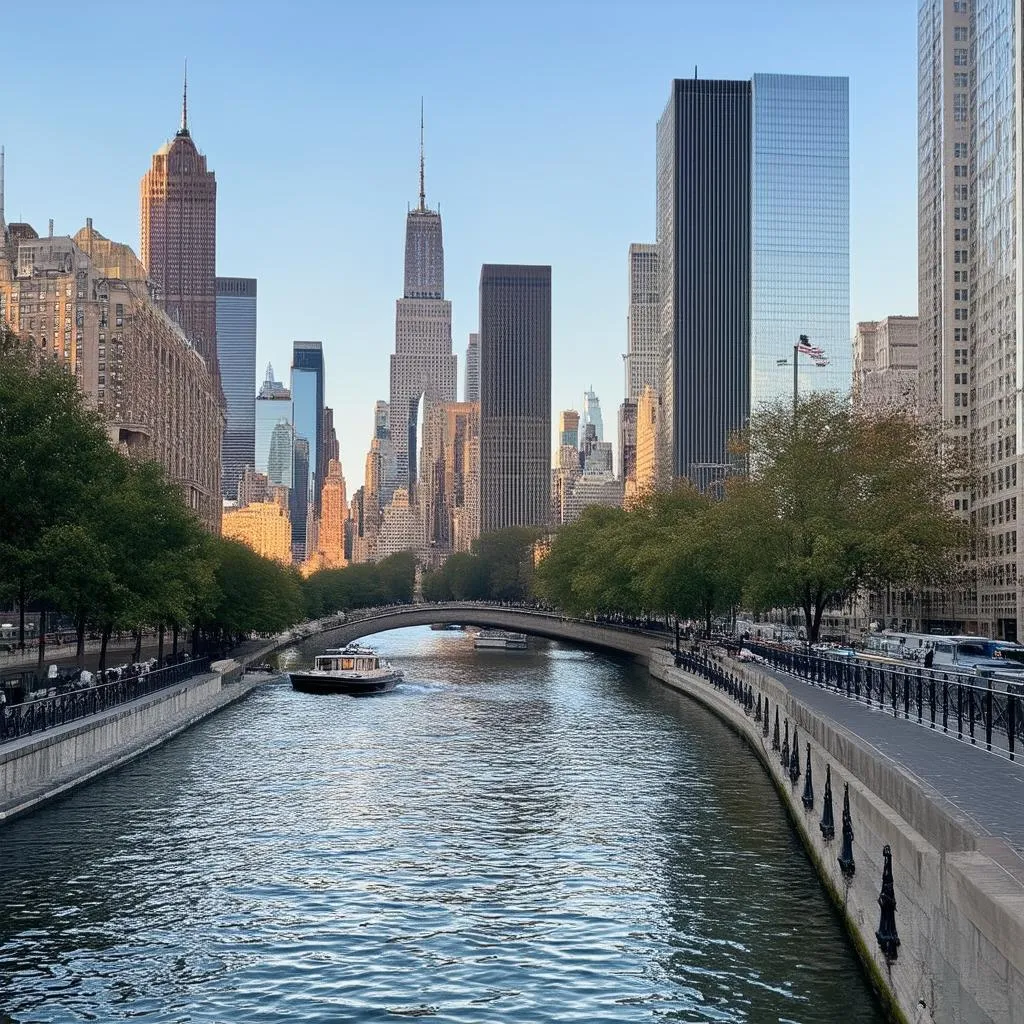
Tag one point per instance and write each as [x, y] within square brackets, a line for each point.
[375, 150]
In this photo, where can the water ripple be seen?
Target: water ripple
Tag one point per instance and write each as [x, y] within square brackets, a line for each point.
[538, 837]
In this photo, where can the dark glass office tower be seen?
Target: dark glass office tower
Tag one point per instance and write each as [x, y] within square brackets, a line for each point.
[753, 246]
[236, 355]
[515, 396]
[308, 421]
[703, 220]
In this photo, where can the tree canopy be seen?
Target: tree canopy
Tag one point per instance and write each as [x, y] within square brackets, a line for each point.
[835, 502]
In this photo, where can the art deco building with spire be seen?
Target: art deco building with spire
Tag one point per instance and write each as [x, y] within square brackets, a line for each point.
[178, 213]
[423, 366]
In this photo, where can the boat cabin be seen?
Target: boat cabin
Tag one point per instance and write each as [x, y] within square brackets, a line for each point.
[349, 659]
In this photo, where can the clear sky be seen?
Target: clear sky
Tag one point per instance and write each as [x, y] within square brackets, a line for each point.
[540, 149]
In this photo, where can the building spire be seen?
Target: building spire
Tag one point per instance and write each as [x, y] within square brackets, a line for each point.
[3, 223]
[184, 103]
[423, 192]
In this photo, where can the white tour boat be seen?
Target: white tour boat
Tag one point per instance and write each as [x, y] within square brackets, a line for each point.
[357, 671]
[499, 640]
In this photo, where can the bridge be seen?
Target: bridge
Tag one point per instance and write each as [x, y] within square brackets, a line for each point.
[515, 618]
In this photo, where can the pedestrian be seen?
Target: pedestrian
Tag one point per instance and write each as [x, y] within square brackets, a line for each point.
[929, 657]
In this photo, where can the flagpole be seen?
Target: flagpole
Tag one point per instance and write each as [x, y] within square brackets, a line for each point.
[796, 378]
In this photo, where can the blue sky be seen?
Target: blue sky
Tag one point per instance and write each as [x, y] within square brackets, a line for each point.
[540, 149]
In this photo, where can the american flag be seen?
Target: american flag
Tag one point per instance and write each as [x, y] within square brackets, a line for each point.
[805, 348]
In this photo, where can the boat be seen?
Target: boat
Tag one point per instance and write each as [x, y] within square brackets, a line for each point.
[499, 640]
[353, 670]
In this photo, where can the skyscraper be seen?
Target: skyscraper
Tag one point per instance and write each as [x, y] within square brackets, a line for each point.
[569, 428]
[334, 512]
[643, 349]
[471, 386]
[515, 396]
[423, 365]
[274, 444]
[753, 250]
[308, 422]
[592, 414]
[178, 205]
[236, 355]
[971, 302]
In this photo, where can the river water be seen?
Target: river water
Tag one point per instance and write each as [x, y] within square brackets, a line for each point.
[508, 837]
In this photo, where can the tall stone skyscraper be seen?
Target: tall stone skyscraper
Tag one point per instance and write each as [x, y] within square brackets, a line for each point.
[971, 296]
[472, 370]
[753, 251]
[423, 365]
[178, 206]
[515, 396]
[236, 355]
[643, 357]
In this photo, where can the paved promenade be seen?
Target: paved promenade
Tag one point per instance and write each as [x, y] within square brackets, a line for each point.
[984, 791]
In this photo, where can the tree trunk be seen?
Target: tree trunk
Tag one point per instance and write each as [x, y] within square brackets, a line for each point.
[21, 613]
[137, 650]
[80, 640]
[160, 646]
[108, 628]
[42, 640]
[174, 639]
[195, 641]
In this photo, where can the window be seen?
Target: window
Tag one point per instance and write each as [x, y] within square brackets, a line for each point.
[959, 294]
[960, 313]
[959, 255]
[960, 34]
[960, 106]
[960, 7]
[960, 150]
[959, 80]
[960, 57]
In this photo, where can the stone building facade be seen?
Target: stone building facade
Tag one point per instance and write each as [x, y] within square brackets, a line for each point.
[85, 302]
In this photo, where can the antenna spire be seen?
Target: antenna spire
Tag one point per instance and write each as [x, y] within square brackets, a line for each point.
[3, 223]
[184, 103]
[423, 192]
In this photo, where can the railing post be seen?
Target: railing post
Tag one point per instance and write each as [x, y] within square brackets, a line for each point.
[920, 697]
[988, 716]
[970, 712]
[1011, 720]
[931, 698]
[906, 694]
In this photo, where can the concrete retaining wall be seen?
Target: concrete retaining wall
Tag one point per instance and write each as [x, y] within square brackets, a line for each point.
[40, 767]
[959, 898]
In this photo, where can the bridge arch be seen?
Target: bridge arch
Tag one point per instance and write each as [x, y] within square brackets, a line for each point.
[516, 619]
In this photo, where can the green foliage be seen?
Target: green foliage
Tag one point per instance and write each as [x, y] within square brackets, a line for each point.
[835, 502]
[365, 585]
[108, 540]
[500, 568]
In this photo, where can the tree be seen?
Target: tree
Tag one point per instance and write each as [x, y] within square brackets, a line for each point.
[838, 501]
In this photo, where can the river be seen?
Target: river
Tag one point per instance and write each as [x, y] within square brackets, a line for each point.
[508, 837]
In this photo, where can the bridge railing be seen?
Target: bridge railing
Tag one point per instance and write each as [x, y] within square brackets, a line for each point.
[35, 716]
[971, 708]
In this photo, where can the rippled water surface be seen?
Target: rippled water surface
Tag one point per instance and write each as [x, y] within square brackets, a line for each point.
[547, 836]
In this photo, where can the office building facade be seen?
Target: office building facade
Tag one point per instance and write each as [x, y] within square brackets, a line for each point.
[307, 389]
[753, 250]
[178, 215]
[423, 366]
[236, 356]
[643, 348]
[471, 387]
[515, 396]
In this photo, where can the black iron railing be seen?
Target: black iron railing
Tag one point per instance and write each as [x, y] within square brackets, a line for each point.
[971, 708]
[33, 716]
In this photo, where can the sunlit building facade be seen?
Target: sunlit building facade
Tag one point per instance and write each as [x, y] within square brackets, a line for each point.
[178, 214]
[85, 303]
[262, 526]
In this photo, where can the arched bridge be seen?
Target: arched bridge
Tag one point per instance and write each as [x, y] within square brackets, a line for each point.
[359, 624]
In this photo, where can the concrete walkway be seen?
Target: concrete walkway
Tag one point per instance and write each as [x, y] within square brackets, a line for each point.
[983, 790]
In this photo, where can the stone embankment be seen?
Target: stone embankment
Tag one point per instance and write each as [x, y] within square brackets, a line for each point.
[959, 893]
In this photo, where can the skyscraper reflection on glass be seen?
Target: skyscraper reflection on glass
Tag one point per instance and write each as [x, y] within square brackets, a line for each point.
[800, 234]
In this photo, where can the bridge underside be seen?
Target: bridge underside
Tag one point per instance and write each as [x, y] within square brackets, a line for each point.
[515, 620]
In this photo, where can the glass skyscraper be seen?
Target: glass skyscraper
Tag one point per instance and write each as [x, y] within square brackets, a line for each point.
[274, 431]
[236, 355]
[308, 422]
[753, 248]
[800, 234]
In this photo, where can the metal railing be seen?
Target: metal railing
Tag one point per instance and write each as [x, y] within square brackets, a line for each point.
[971, 708]
[40, 714]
